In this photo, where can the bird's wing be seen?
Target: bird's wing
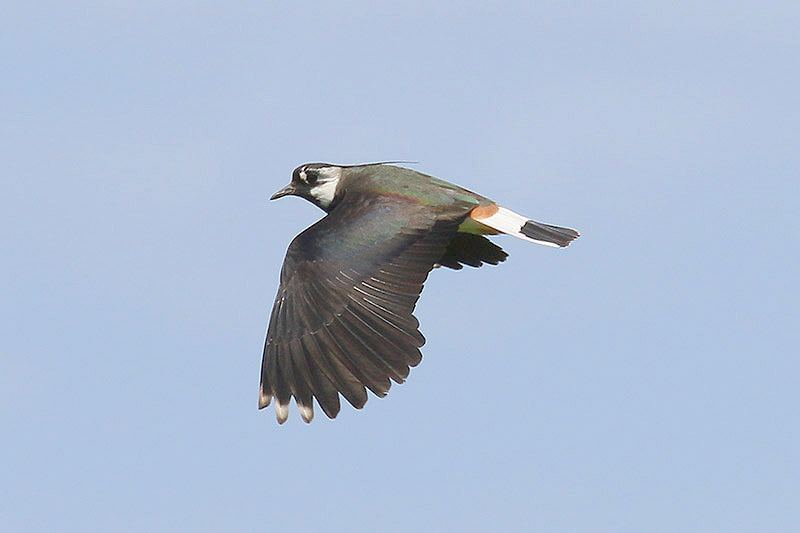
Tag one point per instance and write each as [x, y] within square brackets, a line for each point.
[342, 319]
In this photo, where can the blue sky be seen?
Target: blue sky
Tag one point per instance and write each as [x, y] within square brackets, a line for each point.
[644, 379]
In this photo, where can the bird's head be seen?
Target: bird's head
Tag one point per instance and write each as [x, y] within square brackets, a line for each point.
[316, 182]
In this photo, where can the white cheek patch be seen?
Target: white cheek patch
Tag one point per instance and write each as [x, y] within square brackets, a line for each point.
[324, 191]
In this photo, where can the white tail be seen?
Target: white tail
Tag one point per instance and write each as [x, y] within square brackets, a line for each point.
[511, 223]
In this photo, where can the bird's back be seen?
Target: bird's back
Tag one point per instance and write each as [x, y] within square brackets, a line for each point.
[410, 185]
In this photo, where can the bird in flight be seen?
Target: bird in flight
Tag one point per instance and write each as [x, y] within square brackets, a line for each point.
[343, 318]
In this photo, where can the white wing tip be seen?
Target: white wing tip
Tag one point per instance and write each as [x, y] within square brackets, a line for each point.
[281, 411]
[263, 399]
[307, 412]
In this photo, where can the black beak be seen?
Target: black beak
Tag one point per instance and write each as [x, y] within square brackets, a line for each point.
[286, 191]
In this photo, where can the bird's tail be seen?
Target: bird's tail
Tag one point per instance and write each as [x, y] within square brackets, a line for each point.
[546, 233]
[504, 220]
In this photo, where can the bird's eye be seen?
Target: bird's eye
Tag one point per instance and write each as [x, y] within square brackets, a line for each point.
[311, 178]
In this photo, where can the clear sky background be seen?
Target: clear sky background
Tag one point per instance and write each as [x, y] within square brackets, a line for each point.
[643, 379]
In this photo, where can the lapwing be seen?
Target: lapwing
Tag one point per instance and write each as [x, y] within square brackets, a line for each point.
[343, 322]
